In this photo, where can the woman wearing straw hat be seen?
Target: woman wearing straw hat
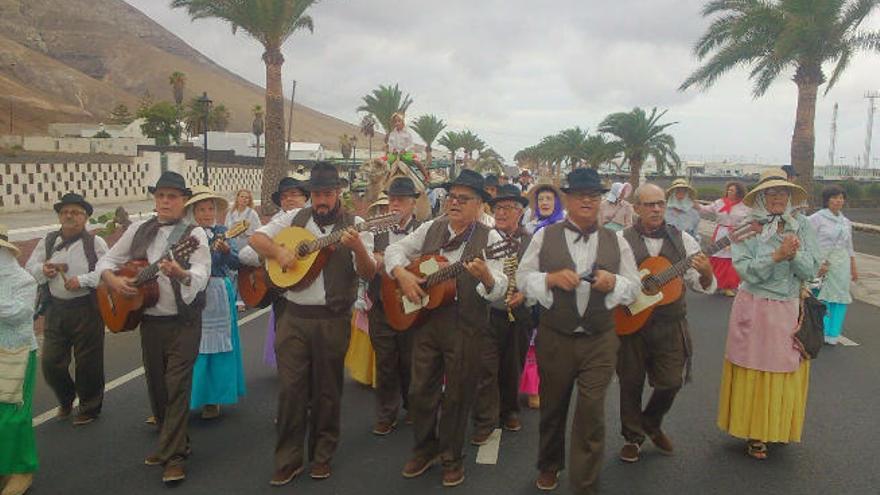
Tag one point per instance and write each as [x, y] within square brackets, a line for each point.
[18, 367]
[765, 379]
[615, 212]
[681, 209]
[218, 374]
[729, 212]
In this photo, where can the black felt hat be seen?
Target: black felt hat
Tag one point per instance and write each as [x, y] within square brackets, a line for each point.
[402, 186]
[74, 199]
[171, 180]
[287, 184]
[471, 179]
[323, 177]
[491, 180]
[583, 179]
[509, 192]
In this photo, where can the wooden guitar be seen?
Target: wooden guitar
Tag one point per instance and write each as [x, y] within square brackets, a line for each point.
[312, 253]
[255, 288]
[662, 284]
[439, 284]
[122, 312]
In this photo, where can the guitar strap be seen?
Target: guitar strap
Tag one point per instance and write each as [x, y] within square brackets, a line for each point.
[180, 228]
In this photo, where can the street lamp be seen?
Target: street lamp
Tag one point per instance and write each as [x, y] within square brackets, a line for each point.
[205, 103]
[351, 173]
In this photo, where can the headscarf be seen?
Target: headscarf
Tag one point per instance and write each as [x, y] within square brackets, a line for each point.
[771, 221]
[618, 191]
[557, 215]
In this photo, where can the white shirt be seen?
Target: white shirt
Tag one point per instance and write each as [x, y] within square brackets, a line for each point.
[314, 294]
[691, 247]
[399, 141]
[74, 256]
[399, 254]
[200, 266]
[533, 283]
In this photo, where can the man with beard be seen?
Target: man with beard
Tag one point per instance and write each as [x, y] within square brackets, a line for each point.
[506, 339]
[65, 262]
[313, 328]
[578, 271]
[393, 349]
[661, 350]
[446, 344]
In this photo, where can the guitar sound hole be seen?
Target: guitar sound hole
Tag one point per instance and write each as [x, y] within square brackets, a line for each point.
[651, 285]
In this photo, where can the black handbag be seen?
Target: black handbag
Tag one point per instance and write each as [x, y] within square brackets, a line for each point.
[811, 325]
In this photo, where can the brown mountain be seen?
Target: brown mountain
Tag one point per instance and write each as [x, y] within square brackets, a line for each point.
[74, 60]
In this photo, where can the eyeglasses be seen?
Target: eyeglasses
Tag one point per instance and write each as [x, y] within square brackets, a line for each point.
[655, 204]
[459, 198]
[581, 196]
[506, 208]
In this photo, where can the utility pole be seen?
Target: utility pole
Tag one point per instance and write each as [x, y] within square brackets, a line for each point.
[290, 121]
[832, 148]
[871, 96]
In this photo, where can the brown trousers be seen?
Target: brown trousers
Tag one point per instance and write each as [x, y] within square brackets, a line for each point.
[75, 325]
[170, 348]
[393, 362]
[311, 359]
[503, 349]
[588, 363]
[660, 352]
[443, 346]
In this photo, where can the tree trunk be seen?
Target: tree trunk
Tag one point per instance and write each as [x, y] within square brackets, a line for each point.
[274, 163]
[635, 171]
[803, 139]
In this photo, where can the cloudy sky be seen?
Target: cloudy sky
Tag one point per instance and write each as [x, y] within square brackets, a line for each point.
[514, 71]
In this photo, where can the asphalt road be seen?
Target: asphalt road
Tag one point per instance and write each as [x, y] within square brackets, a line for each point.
[233, 455]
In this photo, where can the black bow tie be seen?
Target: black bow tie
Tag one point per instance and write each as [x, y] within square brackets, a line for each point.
[455, 242]
[402, 231]
[172, 222]
[582, 234]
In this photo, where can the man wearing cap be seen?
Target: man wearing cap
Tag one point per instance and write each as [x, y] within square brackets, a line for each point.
[393, 349]
[446, 344]
[170, 330]
[506, 340]
[64, 263]
[661, 350]
[313, 328]
[578, 272]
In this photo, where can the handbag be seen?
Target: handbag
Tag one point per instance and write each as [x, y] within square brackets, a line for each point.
[811, 325]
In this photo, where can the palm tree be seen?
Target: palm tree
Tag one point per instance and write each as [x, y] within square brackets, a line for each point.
[368, 128]
[452, 141]
[572, 145]
[258, 125]
[428, 127]
[271, 22]
[640, 136]
[384, 102]
[791, 37]
[470, 142]
[599, 150]
[178, 82]
[490, 161]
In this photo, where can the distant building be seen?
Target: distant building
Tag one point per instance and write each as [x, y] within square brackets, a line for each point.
[245, 144]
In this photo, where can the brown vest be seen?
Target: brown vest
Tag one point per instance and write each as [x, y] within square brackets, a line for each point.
[563, 316]
[472, 309]
[673, 250]
[380, 244]
[340, 278]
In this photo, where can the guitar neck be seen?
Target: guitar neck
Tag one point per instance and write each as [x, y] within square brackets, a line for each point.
[148, 273]
[447, 272]
[334, 237]
[683, 265]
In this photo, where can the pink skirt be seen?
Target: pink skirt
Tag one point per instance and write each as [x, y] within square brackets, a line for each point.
[761, 333]
[530, 381]
[725, 273]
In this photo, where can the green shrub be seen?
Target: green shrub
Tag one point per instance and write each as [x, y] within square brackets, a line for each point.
[853, 189]
[873, 190]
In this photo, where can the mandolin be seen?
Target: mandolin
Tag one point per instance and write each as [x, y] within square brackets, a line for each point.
[312, 253]
[237, 229]
[661, 284]
[439, 284]
[122, 312]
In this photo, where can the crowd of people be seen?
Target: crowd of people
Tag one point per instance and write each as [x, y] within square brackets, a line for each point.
[538, 324]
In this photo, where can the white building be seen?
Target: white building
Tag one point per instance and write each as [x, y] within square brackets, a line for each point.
[245, 144]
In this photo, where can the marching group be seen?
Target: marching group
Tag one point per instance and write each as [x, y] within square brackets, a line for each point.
[541, 319]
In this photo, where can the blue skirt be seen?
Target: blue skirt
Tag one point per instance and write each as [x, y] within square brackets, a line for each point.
[218, 378]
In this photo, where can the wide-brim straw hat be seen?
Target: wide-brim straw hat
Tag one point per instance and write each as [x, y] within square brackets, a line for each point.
[775, 177]
[4, 241]
[201, 193]
[382, 200]
[681, 184]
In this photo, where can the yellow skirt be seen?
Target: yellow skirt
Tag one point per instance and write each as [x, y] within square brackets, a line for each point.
[360, 360]
[762, 405]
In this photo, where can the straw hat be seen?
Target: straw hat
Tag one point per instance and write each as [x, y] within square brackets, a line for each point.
[201, 193]
[775, 177]
[681, 184]
[4, 241]
[544, 184]
[381, 201]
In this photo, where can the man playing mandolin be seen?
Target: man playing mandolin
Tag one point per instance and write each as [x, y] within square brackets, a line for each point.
[171, 329]
[447, 342]
[313, 327]
[662, 348]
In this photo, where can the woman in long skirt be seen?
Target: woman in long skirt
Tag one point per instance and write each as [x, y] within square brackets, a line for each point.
[838, 270]
[18, 368]
[729, 212]
[218, 374]
[765, 378]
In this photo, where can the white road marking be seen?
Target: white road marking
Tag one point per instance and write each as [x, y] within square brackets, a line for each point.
[847, 342]
[131, 375]
[488, 454]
